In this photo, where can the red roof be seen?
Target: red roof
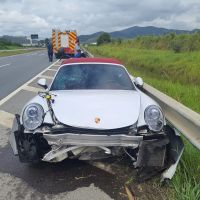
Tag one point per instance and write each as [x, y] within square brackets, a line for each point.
[91, 60]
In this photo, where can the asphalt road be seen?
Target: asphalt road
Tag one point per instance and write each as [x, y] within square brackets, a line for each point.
[68, 180]
[18, 69]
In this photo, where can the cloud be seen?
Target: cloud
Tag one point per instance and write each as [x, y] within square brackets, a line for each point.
[15, 23]
[88, 16]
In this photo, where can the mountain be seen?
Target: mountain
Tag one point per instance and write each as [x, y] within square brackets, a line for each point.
[89, 38]
[131, 33]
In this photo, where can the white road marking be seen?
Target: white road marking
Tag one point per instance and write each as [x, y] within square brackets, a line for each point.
[22, 54]
[47, 77]
[21, 87]
[33, 89]
[17, 50]
[4, 65]
[54, 70]
[32, 54]
[6, 119]
[57, 65]
[5, 131]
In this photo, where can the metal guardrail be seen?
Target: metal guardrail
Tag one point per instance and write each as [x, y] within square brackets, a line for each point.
[179, 116]
[87, 53]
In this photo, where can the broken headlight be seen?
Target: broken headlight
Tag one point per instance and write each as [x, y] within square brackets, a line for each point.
[154, 118]
[32, 116]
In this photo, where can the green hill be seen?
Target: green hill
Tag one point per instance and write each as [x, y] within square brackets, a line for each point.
[132, 32]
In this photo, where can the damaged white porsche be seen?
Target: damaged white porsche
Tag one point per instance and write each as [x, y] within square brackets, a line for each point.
[92, 110]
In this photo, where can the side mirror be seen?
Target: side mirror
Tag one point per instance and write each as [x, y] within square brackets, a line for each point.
[139, 82]
[42, 82]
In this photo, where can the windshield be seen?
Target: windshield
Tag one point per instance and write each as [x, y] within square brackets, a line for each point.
[92, 76]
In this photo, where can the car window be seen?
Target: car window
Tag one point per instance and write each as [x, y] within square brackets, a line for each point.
[92, 76]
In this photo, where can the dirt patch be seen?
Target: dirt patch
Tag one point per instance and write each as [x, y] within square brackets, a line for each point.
[110, 177]
[123, 169]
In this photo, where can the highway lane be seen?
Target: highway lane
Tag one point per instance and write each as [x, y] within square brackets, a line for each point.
[18, 69]
[69, 180]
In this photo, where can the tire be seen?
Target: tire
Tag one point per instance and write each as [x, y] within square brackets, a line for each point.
[83, 55]
[57, 55]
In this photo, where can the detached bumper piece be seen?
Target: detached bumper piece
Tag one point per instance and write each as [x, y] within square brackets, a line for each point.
[159, 155]
[152, 158]
[152, 153]
[175, 151]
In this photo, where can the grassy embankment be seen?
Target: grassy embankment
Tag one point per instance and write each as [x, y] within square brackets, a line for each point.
[176, 74]
[5, 45]
[16, 52]
[15, 49]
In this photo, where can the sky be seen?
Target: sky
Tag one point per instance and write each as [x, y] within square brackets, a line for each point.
[26, 17]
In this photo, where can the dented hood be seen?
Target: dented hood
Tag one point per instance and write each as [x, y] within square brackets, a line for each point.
[97, 109]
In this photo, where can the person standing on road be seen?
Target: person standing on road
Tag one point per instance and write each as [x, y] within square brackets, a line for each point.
[77, 53]
[50, 51]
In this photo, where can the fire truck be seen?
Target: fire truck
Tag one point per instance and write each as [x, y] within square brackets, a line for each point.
[64, 43]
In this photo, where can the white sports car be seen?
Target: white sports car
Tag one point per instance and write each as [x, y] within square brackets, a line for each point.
[95, 109]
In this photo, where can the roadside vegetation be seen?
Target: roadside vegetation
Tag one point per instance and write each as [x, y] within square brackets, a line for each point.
[6, 45]
[104, 38]
[176, 73]
[172, 42]
[8, 48]
[16, 52]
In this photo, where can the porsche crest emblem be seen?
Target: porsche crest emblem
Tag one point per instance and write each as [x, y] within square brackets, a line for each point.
[97, 120]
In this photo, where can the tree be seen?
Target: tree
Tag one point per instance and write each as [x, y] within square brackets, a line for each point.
[176, 46]
[119, 41]
[103, 38]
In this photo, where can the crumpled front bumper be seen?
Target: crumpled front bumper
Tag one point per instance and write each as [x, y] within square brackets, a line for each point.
[93, 140]
[152, 150]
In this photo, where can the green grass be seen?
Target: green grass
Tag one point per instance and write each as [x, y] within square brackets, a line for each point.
[186, 181]
[6, 45]
[182, 67]
[177, 75]
[10, 53]
[15, 48]
[10, 47]
[176, 43]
